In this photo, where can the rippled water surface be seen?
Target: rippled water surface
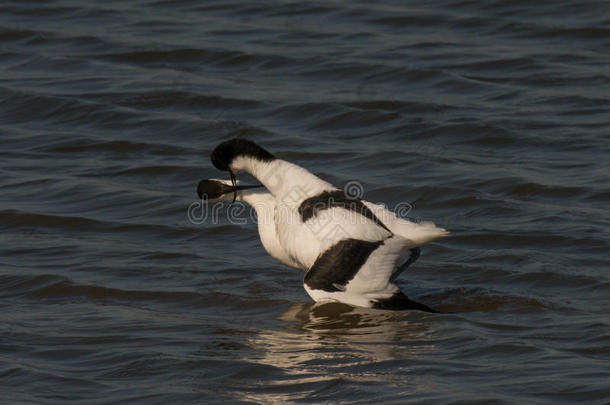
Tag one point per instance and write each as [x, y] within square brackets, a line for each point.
[490, 118]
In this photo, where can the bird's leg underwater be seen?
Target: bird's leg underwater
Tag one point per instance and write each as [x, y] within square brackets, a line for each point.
[400, 302]
[234, 183]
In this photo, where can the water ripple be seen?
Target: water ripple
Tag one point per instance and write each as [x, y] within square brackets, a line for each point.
[488, 119]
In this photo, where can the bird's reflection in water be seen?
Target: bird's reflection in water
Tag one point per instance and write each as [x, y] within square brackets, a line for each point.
[333, 317]
[338, 334]
[324, 346]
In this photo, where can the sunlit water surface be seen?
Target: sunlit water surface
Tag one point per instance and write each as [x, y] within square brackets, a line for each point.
[491, 119]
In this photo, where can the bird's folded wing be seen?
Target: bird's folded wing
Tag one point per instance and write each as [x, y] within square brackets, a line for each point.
[357, 266]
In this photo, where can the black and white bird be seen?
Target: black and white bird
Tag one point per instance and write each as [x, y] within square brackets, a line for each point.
[352, 250]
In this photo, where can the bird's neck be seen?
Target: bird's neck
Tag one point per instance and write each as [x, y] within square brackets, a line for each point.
[262, 201]
[287, 182]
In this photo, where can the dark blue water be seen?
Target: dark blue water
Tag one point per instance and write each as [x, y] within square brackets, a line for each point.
[491, 119]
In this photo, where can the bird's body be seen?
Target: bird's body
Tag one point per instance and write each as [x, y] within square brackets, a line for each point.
[351, 250]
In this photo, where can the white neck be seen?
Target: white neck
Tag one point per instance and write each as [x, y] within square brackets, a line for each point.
[288, 183]
[264, 203]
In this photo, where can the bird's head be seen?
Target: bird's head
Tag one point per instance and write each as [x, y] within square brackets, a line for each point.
[226, 156]
[216, 190]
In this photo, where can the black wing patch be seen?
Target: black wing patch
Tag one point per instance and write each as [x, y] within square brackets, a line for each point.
[339, 264]
[336, 198]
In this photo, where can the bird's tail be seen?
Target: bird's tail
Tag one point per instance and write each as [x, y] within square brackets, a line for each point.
[425, 232]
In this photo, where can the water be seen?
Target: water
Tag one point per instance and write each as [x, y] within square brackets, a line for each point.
[491, 119]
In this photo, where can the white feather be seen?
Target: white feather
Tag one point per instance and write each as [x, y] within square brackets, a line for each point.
[418, 232]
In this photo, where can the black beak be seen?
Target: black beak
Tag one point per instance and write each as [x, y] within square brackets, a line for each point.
[235, 189]
[221, 189]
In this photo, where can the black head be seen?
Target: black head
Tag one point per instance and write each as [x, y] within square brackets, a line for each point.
[211, 189]
[214, 189]
[226, 152]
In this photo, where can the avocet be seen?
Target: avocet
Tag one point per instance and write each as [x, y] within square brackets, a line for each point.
[351, 250]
